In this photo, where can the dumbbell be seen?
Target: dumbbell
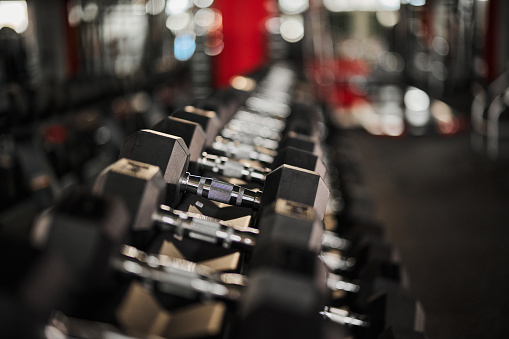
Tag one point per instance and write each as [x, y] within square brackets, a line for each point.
[252, 128]
[259, 148]
[86, 230]
[171, 155]
[273, 93]
[142, 188]
[292, 238]
[194, 137]
[261, 298]
[271, 88]
[276, 249]
[210, 124]
[304, 119]
[110, 181]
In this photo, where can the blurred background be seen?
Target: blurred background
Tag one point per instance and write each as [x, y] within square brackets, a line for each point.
[420, 87]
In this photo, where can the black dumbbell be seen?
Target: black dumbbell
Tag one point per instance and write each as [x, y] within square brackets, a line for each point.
[254, 126]
[194, 137]
[303, 119]
[261, 297]
[90, 237]
[207, 114]
[245, 146]
[209, 122]
[292, 238]
[87, 232]
[142, 189]
[171, 155]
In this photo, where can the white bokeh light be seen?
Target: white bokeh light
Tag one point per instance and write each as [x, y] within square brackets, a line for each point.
[178, 22]
[361, 5]
[293, 6]
[203, 3]
[416, 99]
[387, 18]
[178, 6]
[14, 14]
[292, 29]
[204, 17]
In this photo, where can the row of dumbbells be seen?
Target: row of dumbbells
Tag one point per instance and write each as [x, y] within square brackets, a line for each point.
[147, 251]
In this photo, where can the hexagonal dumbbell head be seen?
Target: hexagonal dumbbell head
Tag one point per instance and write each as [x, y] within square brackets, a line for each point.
[300, 158]
[191, 132]
[207, 119]
[141, 186]
[304, 119]
[168, 152]
[85, 230]
[301, 141]
[292, 223]
[171, 155]
[296, 184]
[224, 109]
[287, 304]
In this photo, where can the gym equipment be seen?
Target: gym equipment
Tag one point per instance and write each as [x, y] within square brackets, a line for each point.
[252, 128]
[283, 222]
[142, 189]
[194, 137]
[84, 224]
[208, 120]
[264, 292]
[171, 155]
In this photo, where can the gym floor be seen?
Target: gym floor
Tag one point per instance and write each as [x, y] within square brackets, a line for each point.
[447, 212]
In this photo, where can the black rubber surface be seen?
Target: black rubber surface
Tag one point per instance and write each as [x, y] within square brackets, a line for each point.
[447, 212]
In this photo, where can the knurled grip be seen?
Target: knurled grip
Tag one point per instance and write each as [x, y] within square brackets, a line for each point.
[221, 191]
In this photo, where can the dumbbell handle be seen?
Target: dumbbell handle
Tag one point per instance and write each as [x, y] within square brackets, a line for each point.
[249, 139]
[230, 168]
[216, 231]
[181, 274]
[242, 151]
[221, 191]
[208, 230]
[177, 275]
[253, 130]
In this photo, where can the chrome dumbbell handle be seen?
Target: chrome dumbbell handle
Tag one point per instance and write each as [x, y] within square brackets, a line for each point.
[220, 191]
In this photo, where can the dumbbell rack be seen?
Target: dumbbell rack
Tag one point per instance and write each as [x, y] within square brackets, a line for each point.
[210, 308]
